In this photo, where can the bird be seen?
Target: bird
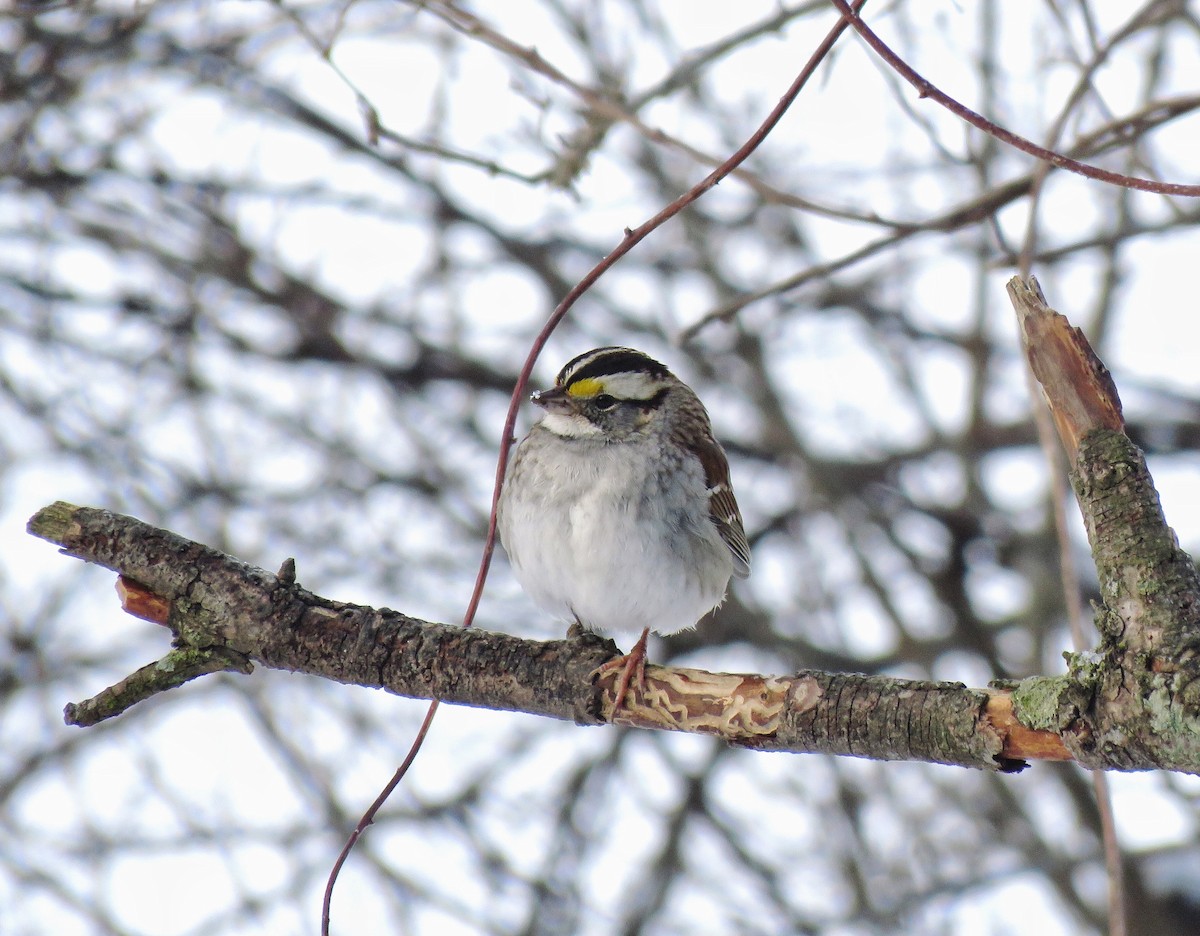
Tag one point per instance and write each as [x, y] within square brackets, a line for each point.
[617, 511]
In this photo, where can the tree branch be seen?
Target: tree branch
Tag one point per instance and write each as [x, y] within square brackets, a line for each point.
[1141, 700]
[224, 614]
[226, 610]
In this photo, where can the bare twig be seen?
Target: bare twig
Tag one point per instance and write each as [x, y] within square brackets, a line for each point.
[374, 126]
[982, 206]
[927, 89]
[601, 106]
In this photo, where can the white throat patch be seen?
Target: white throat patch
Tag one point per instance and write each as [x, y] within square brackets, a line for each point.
[570, 427]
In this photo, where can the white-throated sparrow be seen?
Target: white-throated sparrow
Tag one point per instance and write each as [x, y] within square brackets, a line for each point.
[617, 510]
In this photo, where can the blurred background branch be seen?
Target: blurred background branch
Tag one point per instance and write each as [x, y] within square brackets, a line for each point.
[226, 310]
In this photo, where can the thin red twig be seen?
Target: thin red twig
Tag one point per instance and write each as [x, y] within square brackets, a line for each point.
[631, 239]
[927, 89]
[369, 816]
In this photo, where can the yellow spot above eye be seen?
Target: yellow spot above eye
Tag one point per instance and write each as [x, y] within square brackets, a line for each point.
[588, 387]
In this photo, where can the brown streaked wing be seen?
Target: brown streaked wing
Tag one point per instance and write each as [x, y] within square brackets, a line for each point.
[722, 505]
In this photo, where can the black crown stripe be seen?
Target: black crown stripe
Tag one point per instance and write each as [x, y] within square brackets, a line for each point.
[606, 361]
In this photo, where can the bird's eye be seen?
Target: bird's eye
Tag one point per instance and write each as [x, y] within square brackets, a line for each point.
[604, 401]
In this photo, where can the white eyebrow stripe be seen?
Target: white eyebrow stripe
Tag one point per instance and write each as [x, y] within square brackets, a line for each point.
[630, 386]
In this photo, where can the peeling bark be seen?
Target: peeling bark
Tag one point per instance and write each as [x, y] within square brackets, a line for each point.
[223, 611]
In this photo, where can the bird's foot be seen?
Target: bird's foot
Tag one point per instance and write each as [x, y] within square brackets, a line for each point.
[631, 666]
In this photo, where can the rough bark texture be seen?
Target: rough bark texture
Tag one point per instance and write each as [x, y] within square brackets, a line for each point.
[225, 613]
[1148, 677]
[1135, 703]
[216, 601]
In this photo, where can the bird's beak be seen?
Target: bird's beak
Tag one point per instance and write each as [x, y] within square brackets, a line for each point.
[554, 400]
